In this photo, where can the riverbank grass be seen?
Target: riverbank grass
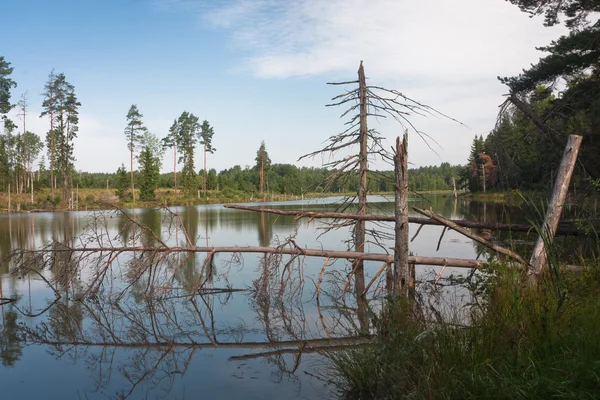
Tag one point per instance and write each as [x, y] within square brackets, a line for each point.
[519, 343]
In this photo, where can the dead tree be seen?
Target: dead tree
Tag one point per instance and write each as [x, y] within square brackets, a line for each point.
[403, 276]
[362, 102]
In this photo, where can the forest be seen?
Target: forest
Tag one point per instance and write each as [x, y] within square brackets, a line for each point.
[46, 165]
[558, 96]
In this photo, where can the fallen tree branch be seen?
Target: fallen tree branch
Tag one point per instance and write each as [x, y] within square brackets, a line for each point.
[414, 220]
[471, 235]
[353, 255]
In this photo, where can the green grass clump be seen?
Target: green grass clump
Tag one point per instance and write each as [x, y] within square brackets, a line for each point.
[521, 342]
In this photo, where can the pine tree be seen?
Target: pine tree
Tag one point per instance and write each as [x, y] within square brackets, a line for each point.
[49, 106]
[121, 183]
[206, 134]
[6, 84]
[263, 162]
[149, 161]
[171, 140]
[187, 135]
[474, 163]
[134, 131]
[65, 131]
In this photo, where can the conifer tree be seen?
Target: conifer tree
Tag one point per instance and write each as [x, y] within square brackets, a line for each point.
[263, 162]
[206, 134]
[134, 131]
[149, 161]
[6, 84]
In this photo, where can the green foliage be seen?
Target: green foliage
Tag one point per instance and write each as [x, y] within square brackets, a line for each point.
[135, 128]
[572, 62]
[184, 134]
[149, 161]
[206, 135]
[122, 183]
[61, 105]
[6, 84]
[262, 157]
[519, 343]
[424, 178]
[211, 179]
[575, 10]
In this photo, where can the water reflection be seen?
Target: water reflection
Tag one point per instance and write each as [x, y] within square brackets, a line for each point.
[154, 322]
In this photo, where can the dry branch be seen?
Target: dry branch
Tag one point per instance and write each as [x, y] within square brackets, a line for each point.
[390, 218]
[453, 262]
[477, 238]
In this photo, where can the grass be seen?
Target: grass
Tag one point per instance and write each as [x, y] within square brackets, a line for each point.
[520, 343]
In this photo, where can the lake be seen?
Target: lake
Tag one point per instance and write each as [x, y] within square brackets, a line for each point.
[256, 329]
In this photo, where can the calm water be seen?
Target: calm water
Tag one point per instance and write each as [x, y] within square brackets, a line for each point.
[145, 332]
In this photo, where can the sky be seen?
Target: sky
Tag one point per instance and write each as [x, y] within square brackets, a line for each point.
[258, 69]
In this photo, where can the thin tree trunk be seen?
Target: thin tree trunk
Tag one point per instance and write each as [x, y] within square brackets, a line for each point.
[131, 173]
[539, 257]
[204, 176]
[262, 172]
[175, 164]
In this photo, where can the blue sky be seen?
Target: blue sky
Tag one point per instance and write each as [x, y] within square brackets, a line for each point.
[257, 69]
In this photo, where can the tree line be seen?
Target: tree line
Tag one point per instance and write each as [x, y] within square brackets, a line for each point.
[556, 97]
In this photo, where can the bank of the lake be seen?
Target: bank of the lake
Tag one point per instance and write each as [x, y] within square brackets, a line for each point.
[102, 199]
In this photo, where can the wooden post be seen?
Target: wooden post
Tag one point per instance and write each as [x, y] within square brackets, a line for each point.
[402, 271]
[539, 257]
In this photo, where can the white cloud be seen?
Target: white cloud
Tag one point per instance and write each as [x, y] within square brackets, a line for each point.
[445, 53]
[397, 38]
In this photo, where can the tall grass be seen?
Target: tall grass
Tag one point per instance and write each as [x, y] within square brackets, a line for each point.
[521, 343]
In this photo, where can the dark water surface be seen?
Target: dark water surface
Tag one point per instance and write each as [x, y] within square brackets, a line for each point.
[147, 333]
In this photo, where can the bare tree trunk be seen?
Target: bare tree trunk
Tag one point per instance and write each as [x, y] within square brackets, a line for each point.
[175, 164]
[454, 191]
[360, 226]
[131, 173]
[539, 257]
[483, 176]
[402, 271]
[52, 160]
[262, 173]
[204, 176]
